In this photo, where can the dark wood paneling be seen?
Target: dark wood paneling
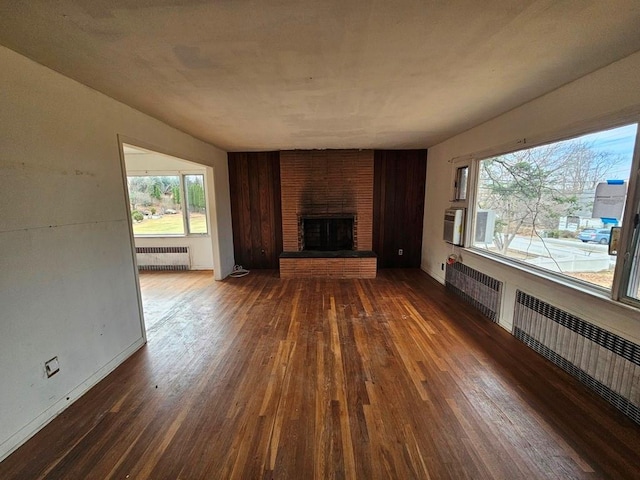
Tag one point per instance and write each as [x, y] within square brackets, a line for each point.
[398, 206]
[254, 181]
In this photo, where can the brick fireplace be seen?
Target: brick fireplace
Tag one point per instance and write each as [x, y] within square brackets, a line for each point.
[322, 190]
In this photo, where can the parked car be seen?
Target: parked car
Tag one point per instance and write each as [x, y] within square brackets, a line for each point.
[600, 235]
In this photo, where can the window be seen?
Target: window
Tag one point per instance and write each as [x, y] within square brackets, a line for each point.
[460, 185]
[632, 290]
[552, 206]
[631, 271]
[196, 203]
[158, 204]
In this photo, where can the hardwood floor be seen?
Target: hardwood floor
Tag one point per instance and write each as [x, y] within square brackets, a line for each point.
[258, 377]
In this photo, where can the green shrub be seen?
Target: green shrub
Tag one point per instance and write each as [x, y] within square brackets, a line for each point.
[137, 216]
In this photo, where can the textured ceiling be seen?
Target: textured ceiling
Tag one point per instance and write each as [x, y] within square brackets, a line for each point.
[271, 75]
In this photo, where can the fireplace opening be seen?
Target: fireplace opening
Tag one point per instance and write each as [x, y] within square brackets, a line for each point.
[327, 234]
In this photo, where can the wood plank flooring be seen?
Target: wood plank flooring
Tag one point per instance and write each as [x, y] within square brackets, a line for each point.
[259, 377]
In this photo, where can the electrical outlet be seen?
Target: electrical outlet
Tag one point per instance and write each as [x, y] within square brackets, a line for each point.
[400, 251]
[52, 367]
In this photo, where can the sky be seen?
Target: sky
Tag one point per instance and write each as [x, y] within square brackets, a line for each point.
[620, 141]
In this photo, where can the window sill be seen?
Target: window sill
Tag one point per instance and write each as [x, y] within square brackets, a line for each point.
[592, 291]
[583, 287]
[169, 235]
[575, 284]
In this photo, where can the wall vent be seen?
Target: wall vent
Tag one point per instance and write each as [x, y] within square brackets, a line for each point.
[163, 258]
[476, 288]
[601, 360]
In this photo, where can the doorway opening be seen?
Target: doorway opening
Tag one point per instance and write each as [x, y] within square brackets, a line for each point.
[169, 202]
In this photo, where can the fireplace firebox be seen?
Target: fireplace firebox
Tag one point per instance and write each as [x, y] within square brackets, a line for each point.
[327, 234]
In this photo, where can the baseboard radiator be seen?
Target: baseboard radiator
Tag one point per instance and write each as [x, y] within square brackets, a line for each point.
[601, 360]
[476, 288]
[163, 258]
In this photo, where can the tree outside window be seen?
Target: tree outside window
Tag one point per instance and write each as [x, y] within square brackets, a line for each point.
[537, 201]
[157, 204]
[196, 203]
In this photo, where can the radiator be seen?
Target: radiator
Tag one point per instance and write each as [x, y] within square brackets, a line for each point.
[476, 288]
[601, 360]
[163, 258]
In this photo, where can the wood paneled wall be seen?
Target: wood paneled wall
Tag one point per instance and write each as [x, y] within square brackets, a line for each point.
[327, 182]
[254, 181]
[399, 186]
[385, 188]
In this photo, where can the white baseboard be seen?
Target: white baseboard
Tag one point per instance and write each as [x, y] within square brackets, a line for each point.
[435, 274]
[29, 430]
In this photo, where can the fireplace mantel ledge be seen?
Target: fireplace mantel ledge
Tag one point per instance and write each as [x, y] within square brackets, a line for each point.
[334, 254]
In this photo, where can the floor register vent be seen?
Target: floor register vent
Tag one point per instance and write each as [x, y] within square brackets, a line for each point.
[163, 258]
[603, 361]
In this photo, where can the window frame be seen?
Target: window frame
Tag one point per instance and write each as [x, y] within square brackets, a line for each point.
[185, 202]
[629, 237]
[469, 162]
[181, 174]
[624, 263]
[457, 187]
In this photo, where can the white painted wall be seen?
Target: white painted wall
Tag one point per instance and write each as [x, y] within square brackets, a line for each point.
[200, 246]
[606, 93]
[67, 278]
[158, 162]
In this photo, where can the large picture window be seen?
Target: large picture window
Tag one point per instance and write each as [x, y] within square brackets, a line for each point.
[552, 206]
[168, 204]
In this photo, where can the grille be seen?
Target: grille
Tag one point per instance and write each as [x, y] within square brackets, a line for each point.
[603, 361]
[163, 258]
[476, 288]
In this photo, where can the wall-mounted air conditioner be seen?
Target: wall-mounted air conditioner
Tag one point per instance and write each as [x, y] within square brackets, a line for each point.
[454, 226]
[485, 226]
